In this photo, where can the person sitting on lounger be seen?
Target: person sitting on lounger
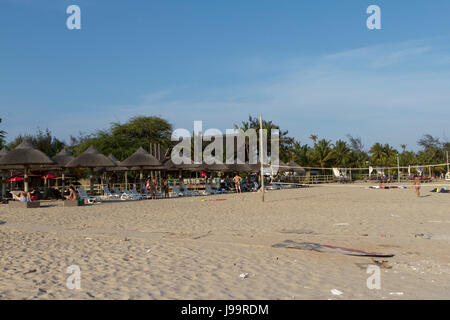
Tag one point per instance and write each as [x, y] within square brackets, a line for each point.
[22, 197]
[72, 194]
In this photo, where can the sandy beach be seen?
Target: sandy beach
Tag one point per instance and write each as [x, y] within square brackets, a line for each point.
[197, 248]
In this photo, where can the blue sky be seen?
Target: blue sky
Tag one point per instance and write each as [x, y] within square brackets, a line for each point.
[310, 66]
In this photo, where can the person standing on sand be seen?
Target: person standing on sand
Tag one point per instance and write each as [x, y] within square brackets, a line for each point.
[417, 185]
[237, 183]
[166, 188]
[153, 188]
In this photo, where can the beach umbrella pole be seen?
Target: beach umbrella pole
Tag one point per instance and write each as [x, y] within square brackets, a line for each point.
[63, 185]
[91, 180]
[25, 179]
[261, 156]
[3, 184]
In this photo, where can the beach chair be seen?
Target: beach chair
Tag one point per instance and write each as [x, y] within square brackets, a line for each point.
[188, 192]
[140, 195]
[149, 194]
[210, 190]
[90, 199]
[110, 195]
[177, 191]
[123, 195]
[131, 196]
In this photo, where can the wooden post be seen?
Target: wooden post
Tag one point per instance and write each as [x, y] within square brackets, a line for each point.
[261, 155]
[3, 184]
[25, 179]
[398, 169]
[448, 169]
[91, 180]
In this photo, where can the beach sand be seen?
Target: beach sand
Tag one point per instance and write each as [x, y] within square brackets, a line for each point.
[197, 248]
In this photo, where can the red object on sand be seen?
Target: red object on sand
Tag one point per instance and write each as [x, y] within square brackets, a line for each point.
[15, 179]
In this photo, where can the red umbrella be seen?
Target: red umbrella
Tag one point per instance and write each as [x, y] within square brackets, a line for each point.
[15, 179]
[49, 176]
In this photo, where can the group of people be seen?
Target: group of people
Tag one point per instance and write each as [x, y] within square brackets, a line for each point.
[152, 184]
[23, 196]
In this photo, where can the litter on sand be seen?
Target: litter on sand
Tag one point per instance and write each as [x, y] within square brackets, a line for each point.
[396, 293]
[243, 275]
[336, 292]
[342, 224]
[423, 236]
[31, 271]
[329, 249]
[382, 264]
[218, 200]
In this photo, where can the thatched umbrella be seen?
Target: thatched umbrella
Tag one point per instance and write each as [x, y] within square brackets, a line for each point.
[25, 155]
[62, 158]
[118, 164]
[91, 158]
[118, 168]
[237, 167]
[216, 167]
[142, 160]
[294, 167]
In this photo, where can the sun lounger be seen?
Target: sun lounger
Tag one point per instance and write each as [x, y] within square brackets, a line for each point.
[140, 195]
[210, 190]
[131, 196]
[90, 199]
[188, 192]
[122, 195]
[177, 191]
[110, 195]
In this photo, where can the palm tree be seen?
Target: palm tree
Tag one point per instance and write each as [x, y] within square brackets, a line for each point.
[322, 152]
[403, 146]
[2, 132]
[377, 153]
[341, 152]
[314, 137]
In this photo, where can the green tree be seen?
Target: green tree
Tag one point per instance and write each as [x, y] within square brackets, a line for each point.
[377, 154]
[342, 153]
[42, 140]
[322, 153]
[122, 140]
[286, 142]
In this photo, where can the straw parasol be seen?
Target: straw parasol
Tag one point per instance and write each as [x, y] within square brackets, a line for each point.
[25, 155]
[118, 168]
[142, 160]
[62, 158]
[91, 158]
[294, 167]
[239, 167]
[216, 167]
[118, 164]
[169, 165]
